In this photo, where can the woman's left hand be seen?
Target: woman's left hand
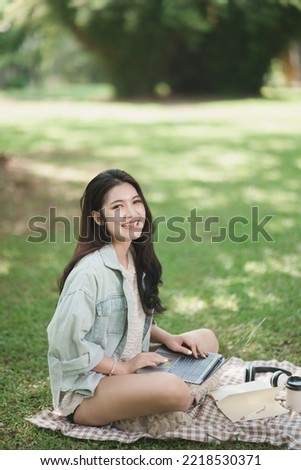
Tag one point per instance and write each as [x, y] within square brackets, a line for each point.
[184, 344]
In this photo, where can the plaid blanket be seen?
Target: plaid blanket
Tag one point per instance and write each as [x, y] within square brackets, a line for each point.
[209, 424]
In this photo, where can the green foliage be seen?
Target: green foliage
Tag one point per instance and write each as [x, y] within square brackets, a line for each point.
[195, 46]
[34, 49]
[19, 44]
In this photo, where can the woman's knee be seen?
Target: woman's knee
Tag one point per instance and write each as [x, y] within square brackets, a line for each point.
[175, 393]
[206, 338]
[212, 340]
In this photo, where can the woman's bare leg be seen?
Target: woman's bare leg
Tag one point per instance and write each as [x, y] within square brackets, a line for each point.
[206, 338]
[128, 396]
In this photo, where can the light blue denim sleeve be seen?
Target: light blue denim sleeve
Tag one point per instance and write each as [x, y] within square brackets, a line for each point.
[67, 334]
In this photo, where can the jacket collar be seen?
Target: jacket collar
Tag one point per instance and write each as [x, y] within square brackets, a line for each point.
[109, 257]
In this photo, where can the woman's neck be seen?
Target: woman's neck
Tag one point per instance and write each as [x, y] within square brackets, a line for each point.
[122, 250]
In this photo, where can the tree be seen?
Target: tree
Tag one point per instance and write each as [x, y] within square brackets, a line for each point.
[245, 41]
[18, 54]
[196, 46]
[35, 49]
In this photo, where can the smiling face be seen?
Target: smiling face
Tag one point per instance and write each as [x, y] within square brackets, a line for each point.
[124, 213]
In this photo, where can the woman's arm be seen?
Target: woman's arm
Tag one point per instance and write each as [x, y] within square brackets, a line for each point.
[183, 343]
[110, 366]
[158, 335]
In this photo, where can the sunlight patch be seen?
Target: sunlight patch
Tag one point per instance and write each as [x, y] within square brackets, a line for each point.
[189, 305]
[123, 151]
[226, 302]
[287, 264]
[157, 196]
[280, 199]
[50, 170]
[255, 267]
[263, 298]
[4, 266]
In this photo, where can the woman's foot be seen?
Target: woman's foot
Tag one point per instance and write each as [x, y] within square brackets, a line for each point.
[155, 424]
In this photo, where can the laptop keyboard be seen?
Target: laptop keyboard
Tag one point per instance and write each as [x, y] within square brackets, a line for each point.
[188, 369]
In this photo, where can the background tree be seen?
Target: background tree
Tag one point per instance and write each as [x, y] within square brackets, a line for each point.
[36, 50]
[18, 55]
[196, 46]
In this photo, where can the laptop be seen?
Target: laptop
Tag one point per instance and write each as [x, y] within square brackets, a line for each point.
[197, 370]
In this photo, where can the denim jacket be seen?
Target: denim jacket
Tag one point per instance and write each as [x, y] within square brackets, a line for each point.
[90, 322]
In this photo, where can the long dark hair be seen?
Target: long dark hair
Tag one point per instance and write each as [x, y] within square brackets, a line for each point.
[93, 236]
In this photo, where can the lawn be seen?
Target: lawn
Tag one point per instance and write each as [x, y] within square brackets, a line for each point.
[223, 181]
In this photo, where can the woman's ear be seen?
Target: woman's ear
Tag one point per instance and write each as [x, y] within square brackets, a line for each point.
[97, 218]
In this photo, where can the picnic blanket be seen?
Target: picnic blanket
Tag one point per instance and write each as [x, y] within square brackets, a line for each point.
[209, 423]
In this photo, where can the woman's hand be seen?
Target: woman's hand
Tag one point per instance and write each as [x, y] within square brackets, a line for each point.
[184, 344]
[143, 359]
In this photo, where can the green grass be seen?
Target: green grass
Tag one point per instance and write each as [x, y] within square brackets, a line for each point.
[76, 92]
[220, 158]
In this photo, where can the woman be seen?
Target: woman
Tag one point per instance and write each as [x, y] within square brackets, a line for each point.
[101, 330]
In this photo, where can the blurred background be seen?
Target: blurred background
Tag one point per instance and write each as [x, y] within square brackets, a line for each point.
[151, 48]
